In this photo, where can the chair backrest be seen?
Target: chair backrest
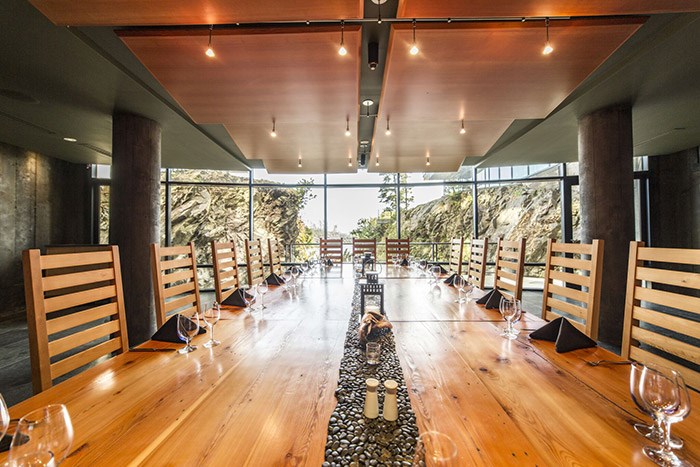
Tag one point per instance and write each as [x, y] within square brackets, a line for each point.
[254, 262]
[572, 280]
[360, 246]
[274, 254]
[510, 267]
[332, 248]
[477, 261]
[662, 309]
[226, 276]
[456, 252]
[175, 284]
[400, 247]
[75, 311]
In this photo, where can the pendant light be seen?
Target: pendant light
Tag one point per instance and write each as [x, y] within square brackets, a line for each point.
[548, 49]
[427, 159]
[376, 160]
[299, 163]
[342, 50]
[210, 52]
[414, 49]
[462, 130]
[388, 130]
[273, 133]
[347, 126]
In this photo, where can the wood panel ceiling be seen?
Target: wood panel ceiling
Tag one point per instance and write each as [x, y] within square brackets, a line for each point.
[169, 12]
[539, 8]
[487, 74]
[292, 75]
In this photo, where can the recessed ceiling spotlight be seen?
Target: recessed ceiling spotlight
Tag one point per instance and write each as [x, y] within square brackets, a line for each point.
[414, 49]
[210, 52]
[364, 142]
[462, 130]
[548, 49]
[368, 102]
[70, 140]
[342, 50]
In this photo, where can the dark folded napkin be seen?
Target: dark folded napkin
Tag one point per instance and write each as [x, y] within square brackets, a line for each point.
[443, 270]
[5, 443]
[494, 301]
[485, 298]
[168, 331]
[236, 298]
[404, 262]
[274, 279]
[329, 262]
[565, 336]
[451, 280]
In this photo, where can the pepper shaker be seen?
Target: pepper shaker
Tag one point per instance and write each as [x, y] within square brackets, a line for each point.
[371, 400]
[391, 408]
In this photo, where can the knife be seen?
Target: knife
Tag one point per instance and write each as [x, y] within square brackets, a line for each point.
[149, 349]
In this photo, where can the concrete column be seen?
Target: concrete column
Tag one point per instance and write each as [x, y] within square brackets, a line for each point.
[607, 205]
[134, 214]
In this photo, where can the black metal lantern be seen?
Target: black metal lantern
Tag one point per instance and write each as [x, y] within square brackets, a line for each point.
[370, 289]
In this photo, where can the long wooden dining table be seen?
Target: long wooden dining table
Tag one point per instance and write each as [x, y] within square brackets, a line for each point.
[264, 397]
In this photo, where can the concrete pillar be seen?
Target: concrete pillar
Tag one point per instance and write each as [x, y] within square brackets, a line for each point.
[134, 214]
[607, 205]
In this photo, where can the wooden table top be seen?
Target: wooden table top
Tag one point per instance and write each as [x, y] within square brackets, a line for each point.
[265, 395]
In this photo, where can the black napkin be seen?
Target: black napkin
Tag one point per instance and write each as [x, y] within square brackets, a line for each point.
[494, 301]
[451, 280]
[168, 331]
[443, 270]
[565, 336]
[485, 298]
[329, 262]
[274, 279]
[236, 298]
[405, 262]
[5, 443]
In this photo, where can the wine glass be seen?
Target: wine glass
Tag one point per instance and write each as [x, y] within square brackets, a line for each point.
[653, 432]
[435, 449]
[187, 328]
[211, 317]
[434, 272]
[459, 283]
[287, 276]
[44, 435]
[422, 265]
[295, 275]
[263, 287]
[511, 311]
[663, 392]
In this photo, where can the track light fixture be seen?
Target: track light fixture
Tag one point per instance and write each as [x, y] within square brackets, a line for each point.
[210, 52]
[379, 12]
[548, 49]
[388, 130]
[342, 50]
[414, 49]
[462, 130]
[347, 126]
[273, 133]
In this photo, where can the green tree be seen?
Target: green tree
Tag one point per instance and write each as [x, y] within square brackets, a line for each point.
[387, 194]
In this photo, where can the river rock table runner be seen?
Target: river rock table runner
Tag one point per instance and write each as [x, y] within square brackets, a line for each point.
[354, 440]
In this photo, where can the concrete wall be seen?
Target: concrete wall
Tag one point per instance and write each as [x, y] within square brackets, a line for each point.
[43, 201]
[674, 193]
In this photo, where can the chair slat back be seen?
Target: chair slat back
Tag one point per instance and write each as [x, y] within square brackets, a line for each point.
[510, 267]
[226, 276]
[456, 252]
[254, 262]
[662, 309]
[75, 311]
[578, 301]
[175, 280]
[400, 247]
[332, 248]
[274, 251]
[360, 246]
[477, 261]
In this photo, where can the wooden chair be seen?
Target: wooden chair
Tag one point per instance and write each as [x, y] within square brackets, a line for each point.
[476, 271]
[254, 262]
[400, 247]
[456, 252]
[572, 282]
[510, 268]
[226, 276]
[274, 255]
[332, 248]
[175, 284]
[75, 311]
[360, 246]
[662, 309]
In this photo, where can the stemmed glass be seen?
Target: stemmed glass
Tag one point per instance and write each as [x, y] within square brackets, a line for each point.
[655, 431]
[187, 328]
[262, 290]
[43, 437]
[511, 311]
[4, 417]
[459, 283]
[287, 276]
[295, 274]
[422, 265]
[211, 317]
[434, 272]
[663, 392]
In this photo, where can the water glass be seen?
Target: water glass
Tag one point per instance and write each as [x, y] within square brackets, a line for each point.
[187, 328]
[44, 435]
[511, 310]
[211, 317]
[435, 449]
[459, 283]
[263, 287]
[373, 351]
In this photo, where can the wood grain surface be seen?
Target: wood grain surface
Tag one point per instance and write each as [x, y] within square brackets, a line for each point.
[265, 395]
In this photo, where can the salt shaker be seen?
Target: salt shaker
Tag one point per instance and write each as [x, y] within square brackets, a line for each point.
[371, 400]
[391, 409]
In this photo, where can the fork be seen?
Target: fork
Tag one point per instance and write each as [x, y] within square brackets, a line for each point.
[609, 362]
